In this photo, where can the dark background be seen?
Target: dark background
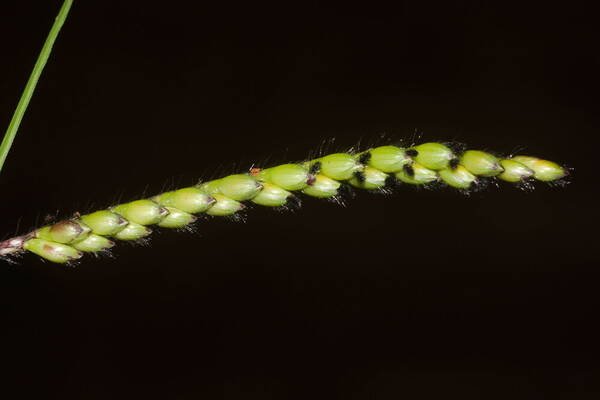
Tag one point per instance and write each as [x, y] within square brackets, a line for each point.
[419, 294]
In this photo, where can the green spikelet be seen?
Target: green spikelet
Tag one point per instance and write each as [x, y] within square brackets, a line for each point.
[105, 222]
[271, 196]
[322, 187]
[458, 177]
[224, 206]
[369, 178]
[514, 171]
[237, 187]
[273, 187]
[416, 174]
[93, 243]
[143, 212]
[286, 176]
[434, 156]
[64, 232]
[52, 251]
[339, 166]
[191, 200]
[543, 170]
[388, 158]
[176, 218]
[133, 231]
[481, 163]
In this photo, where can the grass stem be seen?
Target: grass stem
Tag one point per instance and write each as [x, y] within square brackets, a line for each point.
[17, 117]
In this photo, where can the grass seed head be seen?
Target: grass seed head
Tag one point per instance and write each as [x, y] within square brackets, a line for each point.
[331, 176]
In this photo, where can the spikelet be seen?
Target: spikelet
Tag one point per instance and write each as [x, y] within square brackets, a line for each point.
[323, 177]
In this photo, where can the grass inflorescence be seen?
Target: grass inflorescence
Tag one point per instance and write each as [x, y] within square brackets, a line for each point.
[328, 176]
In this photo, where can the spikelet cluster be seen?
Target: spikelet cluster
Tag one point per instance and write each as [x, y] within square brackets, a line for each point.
[323, 177]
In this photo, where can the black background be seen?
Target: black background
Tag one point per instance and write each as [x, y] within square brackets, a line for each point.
[419, 294]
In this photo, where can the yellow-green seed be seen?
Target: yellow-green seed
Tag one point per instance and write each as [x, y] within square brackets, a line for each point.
[238, 187]
[271, 196]
[93, 243]
[322, 187]
[369, 179]
[544, 170]
[338, 166]
[52, 251]
[176, 219]
[457, 177]
[388, 158]
[286, 176]
[210, 187]
[191, 200]
[64, 231]
[104, 222]
[481, 163]
[224, 206]
[514, 171]
[133, 231]
[434, 156]
[143, 212]
[416, 174]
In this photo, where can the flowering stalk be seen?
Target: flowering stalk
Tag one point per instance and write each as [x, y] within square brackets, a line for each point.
[325, 177]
